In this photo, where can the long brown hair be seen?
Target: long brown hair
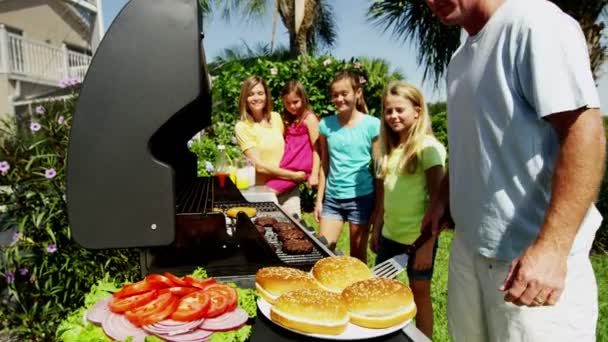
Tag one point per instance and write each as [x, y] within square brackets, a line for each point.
[294, 86]
[414, 142]
[248, 84]
[354, 82]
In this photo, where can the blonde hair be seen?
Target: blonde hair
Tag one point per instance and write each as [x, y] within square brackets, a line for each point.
[413, 144]
[248, 84]
[354, 82]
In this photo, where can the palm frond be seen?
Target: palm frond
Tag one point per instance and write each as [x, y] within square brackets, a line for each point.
[324, 31]
[413, 21]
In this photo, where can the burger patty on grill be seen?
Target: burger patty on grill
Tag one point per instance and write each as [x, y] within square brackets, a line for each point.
[265, 221]
[297, 246]
[277, 227]
[291, 234]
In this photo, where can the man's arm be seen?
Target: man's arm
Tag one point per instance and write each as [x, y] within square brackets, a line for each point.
[537, 277]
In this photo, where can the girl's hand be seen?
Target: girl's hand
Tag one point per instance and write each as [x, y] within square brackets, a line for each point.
[313, 181]
[299, 176]
[317, 212]
[424, 256]
[374, 243]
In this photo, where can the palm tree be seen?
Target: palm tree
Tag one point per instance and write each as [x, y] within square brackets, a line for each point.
[315, 29]
[413, 20]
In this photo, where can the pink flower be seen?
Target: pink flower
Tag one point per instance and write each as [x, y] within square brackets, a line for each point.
[50, 173]
[35, 127]
[60, 119]
[4, 167]
[327, 62]
[357, 65]
[10, 277]
[23, 271]
[52, 248]
[40, 110]
[274, 71]
[362, 80]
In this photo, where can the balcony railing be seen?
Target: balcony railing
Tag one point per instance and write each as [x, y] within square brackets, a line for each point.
[39, 61]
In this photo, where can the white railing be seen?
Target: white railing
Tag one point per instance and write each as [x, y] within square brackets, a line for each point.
[37, 60]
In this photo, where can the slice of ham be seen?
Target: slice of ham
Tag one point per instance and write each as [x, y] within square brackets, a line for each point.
[170, 327]
[197, 335]
[228, 321]
[98, 312]
[118, 328]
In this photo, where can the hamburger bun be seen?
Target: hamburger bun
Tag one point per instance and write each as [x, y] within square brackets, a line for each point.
[379, 303]
[271, 282]
[311, 311]
[336, 273]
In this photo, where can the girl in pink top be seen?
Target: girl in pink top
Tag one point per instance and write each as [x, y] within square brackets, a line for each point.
[301, 134]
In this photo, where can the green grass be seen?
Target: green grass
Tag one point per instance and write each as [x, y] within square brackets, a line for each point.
[440, 282]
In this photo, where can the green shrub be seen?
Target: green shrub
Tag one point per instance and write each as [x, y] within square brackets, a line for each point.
[44, 274]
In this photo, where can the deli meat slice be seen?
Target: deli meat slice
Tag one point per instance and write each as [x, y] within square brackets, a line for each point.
[118, 328]
[228, 321]
[99, 311]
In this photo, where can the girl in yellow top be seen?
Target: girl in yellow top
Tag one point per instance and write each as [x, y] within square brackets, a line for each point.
[411, 166]
[259, 133]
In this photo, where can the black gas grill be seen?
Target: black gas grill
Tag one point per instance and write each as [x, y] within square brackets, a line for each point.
[131, 180]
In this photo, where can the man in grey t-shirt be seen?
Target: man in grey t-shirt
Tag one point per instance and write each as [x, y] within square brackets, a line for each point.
[527, 151]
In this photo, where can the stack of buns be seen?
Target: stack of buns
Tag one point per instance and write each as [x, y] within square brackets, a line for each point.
[338, 290]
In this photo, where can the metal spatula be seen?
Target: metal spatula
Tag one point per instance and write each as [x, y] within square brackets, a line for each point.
[393, 266]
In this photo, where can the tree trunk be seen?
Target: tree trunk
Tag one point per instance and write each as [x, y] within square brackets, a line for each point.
[298, 41]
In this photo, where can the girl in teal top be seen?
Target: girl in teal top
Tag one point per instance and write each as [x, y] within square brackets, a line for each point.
[346, 186]
[411, 167]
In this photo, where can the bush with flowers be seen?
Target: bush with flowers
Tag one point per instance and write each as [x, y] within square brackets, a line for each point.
[44, 274]
[315, 73]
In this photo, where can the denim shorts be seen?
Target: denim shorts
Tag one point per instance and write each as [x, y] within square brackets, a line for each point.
[388, 248]
[354, 210]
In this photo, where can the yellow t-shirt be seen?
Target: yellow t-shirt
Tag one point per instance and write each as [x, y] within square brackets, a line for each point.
[268, 140]
[406, 194]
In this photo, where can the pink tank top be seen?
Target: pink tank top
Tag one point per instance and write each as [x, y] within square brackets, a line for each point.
[297, 155]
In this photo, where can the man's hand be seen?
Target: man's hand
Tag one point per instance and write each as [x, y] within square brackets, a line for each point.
[537, 277]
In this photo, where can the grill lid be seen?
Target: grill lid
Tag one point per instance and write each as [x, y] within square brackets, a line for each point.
[145, 95]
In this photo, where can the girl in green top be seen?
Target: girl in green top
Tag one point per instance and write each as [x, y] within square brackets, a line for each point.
[411, 167]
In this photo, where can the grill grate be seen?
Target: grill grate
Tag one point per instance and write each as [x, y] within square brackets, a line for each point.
[195, 197]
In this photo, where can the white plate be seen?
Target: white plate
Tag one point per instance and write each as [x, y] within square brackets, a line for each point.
[352, 332]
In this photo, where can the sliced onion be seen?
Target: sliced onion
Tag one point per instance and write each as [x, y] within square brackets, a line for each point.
[99, 311]
[171, 327]
[228, 321]
[195, 335]
[119, 328]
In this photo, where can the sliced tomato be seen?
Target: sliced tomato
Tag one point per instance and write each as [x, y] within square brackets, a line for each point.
[218, 305]
[200, 283]
[132, 289]
[228, 291]
[178, 281]
[154, 311]
[180, 291]
[120, 305]
[159, 281]
[192, 307]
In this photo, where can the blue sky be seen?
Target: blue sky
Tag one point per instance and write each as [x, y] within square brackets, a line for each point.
[356, 37]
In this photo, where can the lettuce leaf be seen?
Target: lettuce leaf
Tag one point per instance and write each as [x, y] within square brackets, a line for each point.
[232, 336]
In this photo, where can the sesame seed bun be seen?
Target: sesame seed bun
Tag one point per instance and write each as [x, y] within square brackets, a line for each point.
[311, 311]
[336, 273]
[379, 303]
[271, 282]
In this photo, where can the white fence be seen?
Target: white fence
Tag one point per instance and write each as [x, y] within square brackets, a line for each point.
[38, 60]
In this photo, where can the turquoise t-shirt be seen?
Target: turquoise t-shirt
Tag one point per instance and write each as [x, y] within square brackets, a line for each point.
[406, 195]
[350, 152]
